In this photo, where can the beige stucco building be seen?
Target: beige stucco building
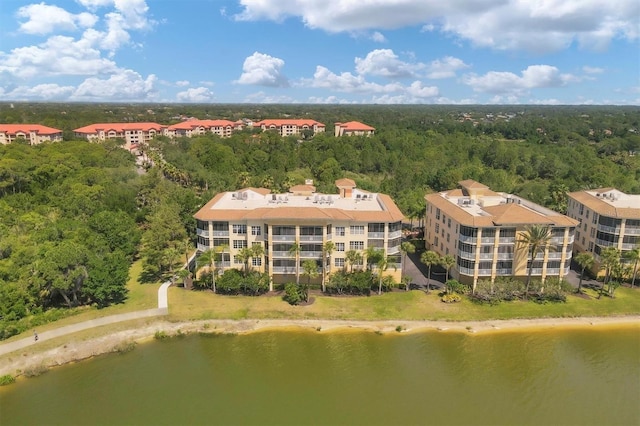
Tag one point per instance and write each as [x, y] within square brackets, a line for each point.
[190, 128]
[352, 219]
[353, 128]
[34, 134]
[481, 229]
[607, 218]
[132, 133]
[290, 127]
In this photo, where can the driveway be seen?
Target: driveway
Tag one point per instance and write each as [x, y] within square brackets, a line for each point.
[418, 272]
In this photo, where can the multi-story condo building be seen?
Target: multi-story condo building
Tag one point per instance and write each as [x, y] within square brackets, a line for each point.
[607, 218]
[132, 133]
[291, 127]
[189, 128]
[353, 128]
[352, 219]
[482, 229]
[33, 133]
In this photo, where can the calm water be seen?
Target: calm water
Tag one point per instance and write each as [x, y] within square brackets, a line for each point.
[355, 378]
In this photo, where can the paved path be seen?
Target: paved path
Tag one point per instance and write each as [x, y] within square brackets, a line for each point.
[162, 309]
[418, 273]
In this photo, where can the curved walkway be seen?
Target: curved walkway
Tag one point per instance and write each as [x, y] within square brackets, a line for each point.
[162, 309]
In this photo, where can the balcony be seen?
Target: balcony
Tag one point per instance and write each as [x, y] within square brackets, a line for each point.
[202, 232]
[220, 233]
[486, 256]
[283, 237]
[395, 234]
[310, 254]
[553, 271]
[604, 243]
[465, 271]
[506, 240]
[306, 238]
[484, 272]
[628, 246]
[376, 235]
[631, 230]
[504, 272]
[283, 269]
[557, 240]
[283, 254]
[609, 229]
[393, 250]
[554, 255]
[202, 247]
[505, 256]
[487, 240]
[467, 255]
[467, 239]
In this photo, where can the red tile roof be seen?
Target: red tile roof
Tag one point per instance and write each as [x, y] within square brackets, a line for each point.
[119, 127]
[354, 126]
[12, 129]
[192, 124]
[288, 122]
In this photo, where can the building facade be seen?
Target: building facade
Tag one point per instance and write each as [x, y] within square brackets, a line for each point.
[34, 134]
[353, 128]
[481, 229]
[352, 219]
[607, 218]
[291, 127]
[132, 133]
[190, 128]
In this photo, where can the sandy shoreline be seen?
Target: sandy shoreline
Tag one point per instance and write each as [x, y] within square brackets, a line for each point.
[70, 350]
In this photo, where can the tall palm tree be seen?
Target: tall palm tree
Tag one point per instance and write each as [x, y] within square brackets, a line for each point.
[244, 254]
[294, 251]
[327, 249]
[372, 255]
[353, 257]
[257, 250]
[310, 268]
[536, 238]
[429, 258]
[405, 248]
[584, 260]
[633, 256]
[208, 258]
[610, 257]
[447, 262]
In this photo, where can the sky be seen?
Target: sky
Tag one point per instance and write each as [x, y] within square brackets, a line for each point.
[321, 51]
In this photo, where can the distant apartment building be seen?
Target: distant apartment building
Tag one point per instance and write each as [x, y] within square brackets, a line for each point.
[353, 128]
[352, 219]
[607, 218]
[34, 134]
[481, 229]
[132, 133]
[189, 128]
[290, 127]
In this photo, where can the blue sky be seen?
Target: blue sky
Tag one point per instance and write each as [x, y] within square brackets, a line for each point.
[322, 51]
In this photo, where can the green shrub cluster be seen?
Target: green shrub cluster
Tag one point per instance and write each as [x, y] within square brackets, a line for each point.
[251, 283]
[7, 379]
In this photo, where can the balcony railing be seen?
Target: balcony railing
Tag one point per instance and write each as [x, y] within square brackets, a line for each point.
[393, 250]
[484, 272]
[202, 247]
[310, 254]
[555, 255]
[609, 229]
[486, 256]
[553, 271]
[276, 253]
[375, 235]
[395, 234]
[487, 240]
[505, 256]
[626, 246]
[557, 240]
[604, 243]
[467, 255]
[506, 271]
[202, 232]
[283, 269]
[507, 240]
[220, 233]
[283, 237]
[311, 238]
[631, 230]
[465, 271]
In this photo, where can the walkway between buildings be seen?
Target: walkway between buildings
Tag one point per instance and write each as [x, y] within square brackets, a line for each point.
[162, 309]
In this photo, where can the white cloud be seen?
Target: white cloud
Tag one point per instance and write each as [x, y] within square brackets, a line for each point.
[45, 92]
[263, 98]
[385, 63]
[378, 37]
[329, 100]
[44, 19]
[263, 70]
[540, 25]
[534, 77]
[592, 70]
[197, 94]
[126, 85]
[182, 83]
[445, 67]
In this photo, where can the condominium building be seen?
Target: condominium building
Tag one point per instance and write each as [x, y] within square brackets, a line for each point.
[291, 127]
[607, 218]
[482, 230]
[353, 128]
[132, 133]
[352, 219]
[34, 134]
[189, 128]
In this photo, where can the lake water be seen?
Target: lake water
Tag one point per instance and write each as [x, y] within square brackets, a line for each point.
[576, 377]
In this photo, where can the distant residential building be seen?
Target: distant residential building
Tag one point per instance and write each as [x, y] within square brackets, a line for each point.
[353, 128]
[352, 219]
[481, 229]
[607, 218]
[189, 128]
[132, 133]
[290, 127]
[34, 134]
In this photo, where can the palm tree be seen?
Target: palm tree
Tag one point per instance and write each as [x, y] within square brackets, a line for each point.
[382, 265]
[584, 260]
[372, 255]
[310, 268]
[220, 250]
[295, 252]
[244, 254]
[353, 257]
[405, 248]
[447, 262]
[327, 249]
[536, 238]
[257, 251]
[429, 258]
[633, 256]
[208, 258]
[610, 257]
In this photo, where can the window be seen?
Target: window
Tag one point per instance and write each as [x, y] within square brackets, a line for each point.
[256, 230]
[339, 246]
[437, 228]
[435, 241]
[256, 261]
[447, 237]
[239, 244]
[437, 214]
[581, 209]
[217, 242]
[239, 229]
[356, 245]
[587, 216]
[376, 227]
[444, 217]
[595, 218]
[593, 232]
[236, 260]
[340, 231]
[256, 243]
[356, 229]
[448, 223]
[339, 262]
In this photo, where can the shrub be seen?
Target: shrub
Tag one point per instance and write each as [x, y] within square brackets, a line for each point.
[36, 370]
[451, 298]
[292, 294]
[124, 347]
[160, 335]
[7, 379]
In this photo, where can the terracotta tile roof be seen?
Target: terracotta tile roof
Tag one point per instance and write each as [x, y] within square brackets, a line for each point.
[470, 183]
[354, 126]
[604, 207]
[192, 124]
[515, 214]
[345, 183]
[119, 127]
[288, 122]
[302, 188]
[12, 129]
